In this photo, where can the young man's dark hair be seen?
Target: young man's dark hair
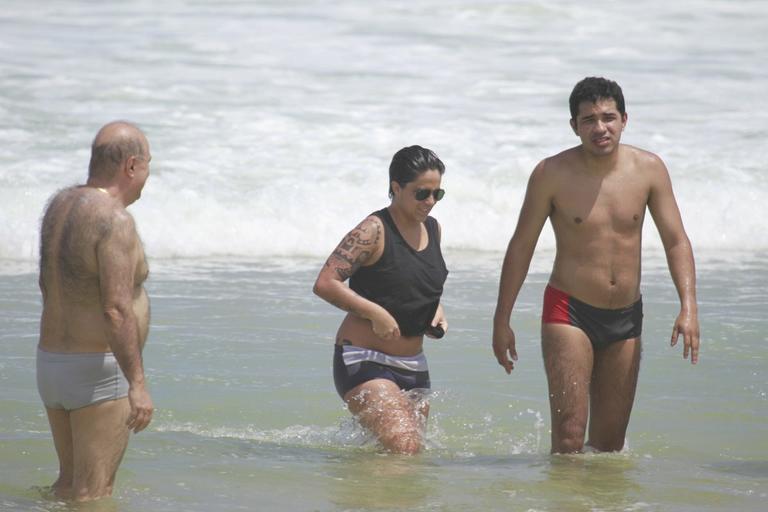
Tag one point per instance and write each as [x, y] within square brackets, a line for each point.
[593, 89]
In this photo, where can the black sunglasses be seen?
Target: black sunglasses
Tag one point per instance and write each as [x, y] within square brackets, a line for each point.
[422, 193]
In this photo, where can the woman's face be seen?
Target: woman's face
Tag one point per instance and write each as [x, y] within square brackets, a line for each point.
[416, 198]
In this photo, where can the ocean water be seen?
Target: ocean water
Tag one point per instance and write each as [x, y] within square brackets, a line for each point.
[272, 125]
[239, 362]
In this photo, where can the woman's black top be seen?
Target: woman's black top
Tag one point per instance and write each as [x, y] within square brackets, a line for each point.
[406, 282]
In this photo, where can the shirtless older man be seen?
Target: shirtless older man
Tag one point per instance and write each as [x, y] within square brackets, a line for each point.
[95, 316]
[595, 196]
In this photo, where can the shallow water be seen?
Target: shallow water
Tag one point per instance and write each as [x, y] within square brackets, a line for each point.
[239, 362]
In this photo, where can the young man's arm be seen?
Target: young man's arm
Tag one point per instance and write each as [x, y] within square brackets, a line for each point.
[533, 214]
[666, 215]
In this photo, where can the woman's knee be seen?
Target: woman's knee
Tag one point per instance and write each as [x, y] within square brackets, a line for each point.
[403, 442]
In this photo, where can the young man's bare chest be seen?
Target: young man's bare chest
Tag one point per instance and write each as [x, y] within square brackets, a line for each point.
[592, 205]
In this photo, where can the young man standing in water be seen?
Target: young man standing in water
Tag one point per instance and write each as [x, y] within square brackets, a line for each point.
[595, 195]
[95, 316]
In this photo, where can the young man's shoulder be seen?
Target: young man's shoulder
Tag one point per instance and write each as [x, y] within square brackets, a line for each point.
[645, 164]
[565, 156]
[554, 165]
[641, 157]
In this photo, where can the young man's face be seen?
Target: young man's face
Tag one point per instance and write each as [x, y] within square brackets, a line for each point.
[599, 126]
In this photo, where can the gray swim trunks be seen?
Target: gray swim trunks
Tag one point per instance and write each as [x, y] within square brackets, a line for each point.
[71, 381]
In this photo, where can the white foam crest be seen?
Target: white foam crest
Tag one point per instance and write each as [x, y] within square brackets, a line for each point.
[304, 218]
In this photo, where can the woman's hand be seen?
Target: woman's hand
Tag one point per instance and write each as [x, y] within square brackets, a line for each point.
[384, 325]
[439, 325]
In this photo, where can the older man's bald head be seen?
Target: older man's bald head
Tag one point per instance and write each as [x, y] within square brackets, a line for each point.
[114, 143]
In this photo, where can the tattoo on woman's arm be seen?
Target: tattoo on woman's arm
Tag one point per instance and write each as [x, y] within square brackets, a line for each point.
[355, 249]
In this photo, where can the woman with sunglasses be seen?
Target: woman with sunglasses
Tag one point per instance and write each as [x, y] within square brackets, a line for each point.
[396, 273]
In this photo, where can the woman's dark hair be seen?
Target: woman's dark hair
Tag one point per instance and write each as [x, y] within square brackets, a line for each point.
[409, 163]
[592, 89]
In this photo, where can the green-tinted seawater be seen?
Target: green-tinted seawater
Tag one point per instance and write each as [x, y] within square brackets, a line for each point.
[239, 362]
